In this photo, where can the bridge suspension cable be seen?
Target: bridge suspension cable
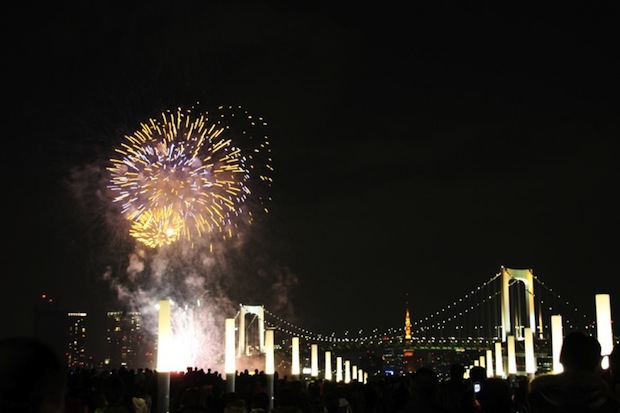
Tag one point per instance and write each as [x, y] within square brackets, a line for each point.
[476, 314]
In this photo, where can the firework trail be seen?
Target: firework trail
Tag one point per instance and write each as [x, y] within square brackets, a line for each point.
[187, 175]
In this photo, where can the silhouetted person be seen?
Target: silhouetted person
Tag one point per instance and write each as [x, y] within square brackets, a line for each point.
[260, 402]
[33, 378]
[235, 403]
[477, 377]
[612, 374]
[457, 393]
[580, 388]
[286, 400]
[424, 393]
[113, 391]
[193, 400]
[495, 396]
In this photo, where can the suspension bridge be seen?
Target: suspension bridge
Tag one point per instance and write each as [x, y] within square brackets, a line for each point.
[513, 306]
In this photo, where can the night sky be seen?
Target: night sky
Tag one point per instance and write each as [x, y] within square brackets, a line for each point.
[416, 148]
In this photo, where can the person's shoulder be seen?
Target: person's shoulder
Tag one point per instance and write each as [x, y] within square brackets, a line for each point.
[543, 380]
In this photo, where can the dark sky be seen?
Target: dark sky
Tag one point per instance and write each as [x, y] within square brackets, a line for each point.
[417, 148]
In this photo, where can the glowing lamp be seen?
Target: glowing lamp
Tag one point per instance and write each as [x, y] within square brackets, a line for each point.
[499, 360]
[338, 369]
[270, 368]
[489, 362]
[295, 367]
[229, 358]
[556, 342]
[530, 360]
[314, 360]
[164, 338]
[512, 355]
[328, 365]
[269, 355]
[603, 327]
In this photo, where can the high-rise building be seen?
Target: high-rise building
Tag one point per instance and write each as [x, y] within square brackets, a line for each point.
[76, 334]
[64, 331]
[128, 343]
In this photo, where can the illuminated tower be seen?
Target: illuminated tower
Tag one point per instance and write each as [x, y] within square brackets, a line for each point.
[407, 348]
[407, 322]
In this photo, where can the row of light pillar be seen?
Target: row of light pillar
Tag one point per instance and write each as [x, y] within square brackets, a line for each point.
[165, 350]
[604, 336]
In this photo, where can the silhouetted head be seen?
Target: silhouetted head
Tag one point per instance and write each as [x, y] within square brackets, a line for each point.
[32, 377]
[457, 370]
[424, 382]
[477, 374]
[580, 352]
[113, 389]
[495, 396]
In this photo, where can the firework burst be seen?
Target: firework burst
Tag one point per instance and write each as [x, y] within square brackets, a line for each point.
[186, 176]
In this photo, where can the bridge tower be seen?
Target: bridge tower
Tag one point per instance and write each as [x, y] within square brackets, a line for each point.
[259, 313]
[527, 278]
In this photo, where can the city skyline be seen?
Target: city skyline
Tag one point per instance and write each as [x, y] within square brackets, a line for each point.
[416, 150]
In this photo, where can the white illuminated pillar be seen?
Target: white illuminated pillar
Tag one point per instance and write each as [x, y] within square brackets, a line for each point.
[482, 362]
[164, 355]
[328, 365]
[295, 368]
[512, 355]
[603, 327]
[354, 372]
[338, 369]
[530, 360]
[360, 375]
[347, 371]
[489, 364]
[270, 367]
[557, 335]
[229, 360]
[164, 337]
[499, 361]
[314, 360]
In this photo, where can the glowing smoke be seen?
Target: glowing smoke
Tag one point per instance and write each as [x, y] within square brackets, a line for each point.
[207, 276]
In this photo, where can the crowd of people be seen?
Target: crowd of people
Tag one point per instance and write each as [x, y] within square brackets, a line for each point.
[34, 380]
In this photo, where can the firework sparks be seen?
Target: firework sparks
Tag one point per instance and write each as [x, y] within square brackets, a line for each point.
[186, 176]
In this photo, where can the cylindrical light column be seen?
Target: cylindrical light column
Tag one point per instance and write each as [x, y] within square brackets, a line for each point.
[229, 360]
[530, 359]
[603, 327]
[314, 360]
[499, 361]
[512, 355]
[295, 367]
[270, 368]
[490, 372]
[557, 339]
[328, 365]
[164, 356]
[338, 369]
[347, 371]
